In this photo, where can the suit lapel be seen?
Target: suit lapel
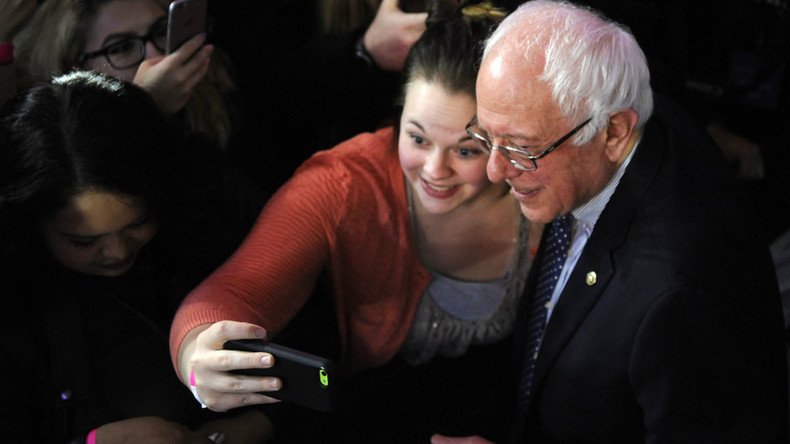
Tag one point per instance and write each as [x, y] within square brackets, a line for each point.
[578, 297]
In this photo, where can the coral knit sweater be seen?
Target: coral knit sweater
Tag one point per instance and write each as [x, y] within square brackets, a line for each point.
[344, 210]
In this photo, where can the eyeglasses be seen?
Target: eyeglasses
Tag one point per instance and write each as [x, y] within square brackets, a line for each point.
[520, 158]
[130, 51]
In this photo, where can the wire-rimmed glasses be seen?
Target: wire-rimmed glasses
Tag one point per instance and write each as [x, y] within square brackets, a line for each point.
[520, 158]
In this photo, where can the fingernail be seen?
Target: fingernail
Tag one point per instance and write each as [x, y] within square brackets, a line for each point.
[266, 360]
[274, 383]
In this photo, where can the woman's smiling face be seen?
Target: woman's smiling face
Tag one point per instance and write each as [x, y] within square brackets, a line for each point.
[444, 167]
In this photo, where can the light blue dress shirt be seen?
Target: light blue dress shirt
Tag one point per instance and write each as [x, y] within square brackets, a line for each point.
[584, 219]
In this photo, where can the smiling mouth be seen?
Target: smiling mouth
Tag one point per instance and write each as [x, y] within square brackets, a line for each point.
[438, 191]
[523, 193]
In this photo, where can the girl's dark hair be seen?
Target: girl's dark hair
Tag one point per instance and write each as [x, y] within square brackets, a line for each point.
[81, 131]
[449, 51]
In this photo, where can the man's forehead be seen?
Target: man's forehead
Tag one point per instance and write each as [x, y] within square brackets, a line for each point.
[501, 83]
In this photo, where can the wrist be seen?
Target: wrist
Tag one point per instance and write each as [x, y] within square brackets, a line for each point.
[6, 53]
[91, 438]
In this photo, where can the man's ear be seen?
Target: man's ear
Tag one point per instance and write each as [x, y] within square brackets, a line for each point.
[619, 134]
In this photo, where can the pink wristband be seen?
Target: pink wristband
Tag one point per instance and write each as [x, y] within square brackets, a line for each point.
[91, 438]
[193, 389]
[6, 53]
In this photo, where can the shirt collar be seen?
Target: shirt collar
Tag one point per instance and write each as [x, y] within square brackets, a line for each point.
[587, 215]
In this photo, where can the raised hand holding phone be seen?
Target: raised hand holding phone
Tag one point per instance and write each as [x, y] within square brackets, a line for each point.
[202, 360]
[307, 379]
[171, 79]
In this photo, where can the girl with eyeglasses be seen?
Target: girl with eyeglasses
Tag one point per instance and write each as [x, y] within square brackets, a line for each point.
[126, 40]
[424, 257]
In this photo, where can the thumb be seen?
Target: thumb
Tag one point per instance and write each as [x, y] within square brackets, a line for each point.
[150, 62]
[415, 18]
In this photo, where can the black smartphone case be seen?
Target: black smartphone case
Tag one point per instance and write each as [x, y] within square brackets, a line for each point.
[307, 379]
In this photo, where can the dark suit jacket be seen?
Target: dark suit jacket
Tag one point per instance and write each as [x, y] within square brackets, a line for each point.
[680, 339]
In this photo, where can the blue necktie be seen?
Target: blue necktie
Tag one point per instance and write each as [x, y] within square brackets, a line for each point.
[558, 240]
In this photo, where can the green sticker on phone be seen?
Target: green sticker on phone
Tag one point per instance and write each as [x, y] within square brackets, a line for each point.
[323, 376]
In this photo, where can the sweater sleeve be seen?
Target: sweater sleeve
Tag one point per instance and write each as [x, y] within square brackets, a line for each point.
[272, 274]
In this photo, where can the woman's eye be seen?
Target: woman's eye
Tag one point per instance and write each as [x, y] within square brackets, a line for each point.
[121, 47]
[468, 152]
[417, 139]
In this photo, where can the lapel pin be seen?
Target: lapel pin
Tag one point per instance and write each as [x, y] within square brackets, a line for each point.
[591, 278]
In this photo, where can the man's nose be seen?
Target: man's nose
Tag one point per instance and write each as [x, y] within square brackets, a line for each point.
[499, 168]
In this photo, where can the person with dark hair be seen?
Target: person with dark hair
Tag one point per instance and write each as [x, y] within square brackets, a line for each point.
[654, 315]
[105, 224]
[425, 258]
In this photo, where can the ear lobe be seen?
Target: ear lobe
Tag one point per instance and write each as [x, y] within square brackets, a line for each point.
[619, 134]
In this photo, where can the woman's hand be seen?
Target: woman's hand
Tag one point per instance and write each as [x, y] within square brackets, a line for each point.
[171, 79]
[148, 429]
[202, 356]
[391, 35]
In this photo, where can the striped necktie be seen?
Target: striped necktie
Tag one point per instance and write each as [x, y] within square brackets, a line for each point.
[556, 249]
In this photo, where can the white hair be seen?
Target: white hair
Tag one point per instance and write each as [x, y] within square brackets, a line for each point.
[593, 66]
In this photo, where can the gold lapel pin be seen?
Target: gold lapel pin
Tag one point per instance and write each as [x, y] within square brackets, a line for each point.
[591, 278]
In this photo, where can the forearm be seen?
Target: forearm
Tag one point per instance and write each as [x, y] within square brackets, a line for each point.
[184, 350]
[271, 276]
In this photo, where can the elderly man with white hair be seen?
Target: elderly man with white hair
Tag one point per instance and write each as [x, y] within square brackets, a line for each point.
[654, 313]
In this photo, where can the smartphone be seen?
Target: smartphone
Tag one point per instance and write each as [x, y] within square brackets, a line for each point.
[307, 379]
[185, 19]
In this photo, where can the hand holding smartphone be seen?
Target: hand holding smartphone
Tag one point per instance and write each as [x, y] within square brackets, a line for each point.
[185, 19]
[307, 379]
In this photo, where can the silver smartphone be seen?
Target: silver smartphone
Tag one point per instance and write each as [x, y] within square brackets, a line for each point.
[185, 19]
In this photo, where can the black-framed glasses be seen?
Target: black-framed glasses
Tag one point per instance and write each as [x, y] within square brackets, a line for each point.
[130, 51]
[518, 157]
